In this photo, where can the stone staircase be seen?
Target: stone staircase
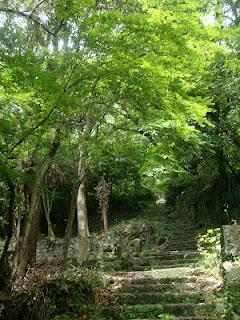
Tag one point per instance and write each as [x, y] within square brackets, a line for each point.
[164, 283]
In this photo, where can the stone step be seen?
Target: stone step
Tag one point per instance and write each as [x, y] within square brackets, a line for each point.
[146, 264]
[185, 234]
[179, 228]
[155, 310]
[184, 237]
[181, 318]
[164, 287]
[182, 243]
[162, 280]
[166, 255]
[172, 254]
[160, 262]
[161, 274]
[164, 266]
[155, 298]
[171, 247]
[165, 280]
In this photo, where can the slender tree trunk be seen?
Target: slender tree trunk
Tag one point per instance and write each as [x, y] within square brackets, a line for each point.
[82, 216]
[105, 217]
[82, 223]
[103, 191]
[47, 204]
[26, 252]
[51, 234]
[70, 222]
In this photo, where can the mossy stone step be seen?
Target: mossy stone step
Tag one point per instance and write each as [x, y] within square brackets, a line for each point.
[163, 266]
[159, 262]
[181, 318]
[183, 227]
[157, 259]
[163, 281]
[160, 275]
[156, 298]
[155, 310]
[183, 267]
[167, 268]
[175, 287]
[188, 238]
[166, 280]
[183, 243]
[171, 255]
[184, 236]
[184, 233]
[180, 247]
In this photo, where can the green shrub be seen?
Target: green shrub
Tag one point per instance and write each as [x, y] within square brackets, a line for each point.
[209, 245]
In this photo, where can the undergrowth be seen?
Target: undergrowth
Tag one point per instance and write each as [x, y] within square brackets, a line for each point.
[209, 245]
[53, 295]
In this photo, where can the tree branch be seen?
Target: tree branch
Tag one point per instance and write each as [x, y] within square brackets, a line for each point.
[29, 17]
[36, 6]
[137, 131]
[76, 82]
[30, 131]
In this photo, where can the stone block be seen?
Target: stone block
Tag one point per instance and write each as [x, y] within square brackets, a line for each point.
[231, 240]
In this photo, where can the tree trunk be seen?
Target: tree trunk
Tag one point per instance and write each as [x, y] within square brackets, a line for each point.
[103, 191]
[82, 217]
[47, 204]
[51, 234]
[26, 252]
[32, 247]
[70, 222]
[83, 231]
[105, 216]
